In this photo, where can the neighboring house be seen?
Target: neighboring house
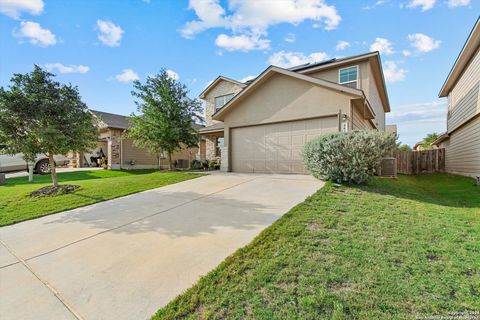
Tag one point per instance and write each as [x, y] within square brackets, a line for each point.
[391, 128]
[120, 151]
[262, 125]
[462, 87]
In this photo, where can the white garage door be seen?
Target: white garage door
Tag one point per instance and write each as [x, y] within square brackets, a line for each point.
[276, 148]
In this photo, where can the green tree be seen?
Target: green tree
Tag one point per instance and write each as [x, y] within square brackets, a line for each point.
[428, 140]
[404, 147]
[41, 116]
[167, 114]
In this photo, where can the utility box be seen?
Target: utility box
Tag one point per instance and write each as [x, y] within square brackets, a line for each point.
[3, 180]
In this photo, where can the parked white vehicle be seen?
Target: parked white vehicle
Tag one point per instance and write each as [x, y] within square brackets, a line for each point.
[9, 163]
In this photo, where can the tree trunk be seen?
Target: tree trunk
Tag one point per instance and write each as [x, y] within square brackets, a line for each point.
[170, 164]
[159, 161]
[53, 170]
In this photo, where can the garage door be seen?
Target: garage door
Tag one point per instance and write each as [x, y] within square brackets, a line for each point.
[276, 148]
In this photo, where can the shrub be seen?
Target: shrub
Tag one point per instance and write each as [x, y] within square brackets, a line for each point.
[196, 164]
[347, 156]
[214, 165]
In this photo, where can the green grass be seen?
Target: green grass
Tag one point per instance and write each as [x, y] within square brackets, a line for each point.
[97, 185]
[395, 249]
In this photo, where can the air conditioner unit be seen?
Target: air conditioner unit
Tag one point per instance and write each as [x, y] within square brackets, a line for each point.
[182, 164]
[388, 167]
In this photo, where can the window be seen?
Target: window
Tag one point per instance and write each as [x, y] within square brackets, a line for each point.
[222, 100]
[219, 146]
[348, 76]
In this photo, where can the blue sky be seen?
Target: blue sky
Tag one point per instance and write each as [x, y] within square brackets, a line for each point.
[101, 46]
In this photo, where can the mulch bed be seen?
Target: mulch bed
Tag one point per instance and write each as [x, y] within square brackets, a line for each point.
[54, 191]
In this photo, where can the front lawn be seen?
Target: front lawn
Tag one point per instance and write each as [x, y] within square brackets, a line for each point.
[97, 185]
[396, 249]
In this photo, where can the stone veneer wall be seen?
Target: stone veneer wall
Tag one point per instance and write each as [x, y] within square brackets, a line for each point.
[222, 88]
[114, 150]
[210, 142]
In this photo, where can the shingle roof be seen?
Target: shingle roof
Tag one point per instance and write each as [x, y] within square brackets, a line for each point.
[112, 120]
[213, 128]
[119, 121]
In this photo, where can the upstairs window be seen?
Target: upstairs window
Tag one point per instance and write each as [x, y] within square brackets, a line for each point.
[222, 100]
[349, 77]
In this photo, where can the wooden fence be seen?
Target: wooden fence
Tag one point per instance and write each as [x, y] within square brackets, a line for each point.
[425, 161]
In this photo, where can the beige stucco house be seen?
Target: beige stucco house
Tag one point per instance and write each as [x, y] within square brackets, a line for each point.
[263, 124]
[462, 88]
[120, 151]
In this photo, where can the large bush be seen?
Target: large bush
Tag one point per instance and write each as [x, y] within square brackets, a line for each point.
[347, 156]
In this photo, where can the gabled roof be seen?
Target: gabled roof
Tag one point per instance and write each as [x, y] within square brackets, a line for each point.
[112, 120]
[117, 121]
[214, 83]
[376, 66]
[356, 93]
[468, 51]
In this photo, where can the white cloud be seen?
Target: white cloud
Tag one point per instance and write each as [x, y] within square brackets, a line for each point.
[289, 59]
[290, 37]
[406, 53]
[382, 45]
[392, 72]
[376, 4]
[458, 3]
[422, 42]
[127, 75]
[14, 8]
[71, 68]
[35, 34]
[342, 45]
[173, 75]
[424, 4]
[110, 33]
[252, 18]
[415, 120]
[241, 42]
[247, 78]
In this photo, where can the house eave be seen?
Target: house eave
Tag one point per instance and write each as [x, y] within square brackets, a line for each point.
[469, 49]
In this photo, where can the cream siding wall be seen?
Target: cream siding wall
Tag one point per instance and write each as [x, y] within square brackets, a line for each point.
[463, 150]
[366, 83]
[358, 122]
[139, 155]
[371, 91]
[464, 99]
[222, 88]
[143, 159]
[333, 74]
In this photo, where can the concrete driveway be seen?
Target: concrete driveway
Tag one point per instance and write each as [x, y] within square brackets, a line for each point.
[125, 258]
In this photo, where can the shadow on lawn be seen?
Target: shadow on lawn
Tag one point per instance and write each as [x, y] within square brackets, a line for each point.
[175, 214]
[436, 188]
[76, 176]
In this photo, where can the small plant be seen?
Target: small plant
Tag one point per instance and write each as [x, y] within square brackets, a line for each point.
[214, 165]
[196, 164]
[347, 156]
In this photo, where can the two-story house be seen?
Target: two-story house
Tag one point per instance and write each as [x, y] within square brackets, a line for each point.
[462, 88]
[262, 125]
